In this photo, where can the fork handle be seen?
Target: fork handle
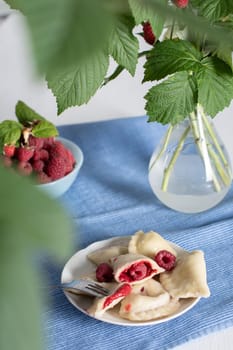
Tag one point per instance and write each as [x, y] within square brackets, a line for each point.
[70, 284]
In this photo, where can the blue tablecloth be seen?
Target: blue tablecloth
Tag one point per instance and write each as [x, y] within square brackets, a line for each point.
[112, 197]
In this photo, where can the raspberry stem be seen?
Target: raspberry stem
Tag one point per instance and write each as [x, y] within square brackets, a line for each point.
[175, 155]
[208, 146]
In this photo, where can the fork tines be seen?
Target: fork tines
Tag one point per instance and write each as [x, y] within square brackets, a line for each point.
[97, 288]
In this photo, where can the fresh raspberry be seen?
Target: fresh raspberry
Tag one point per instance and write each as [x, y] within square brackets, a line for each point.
[37, 165]
[138, 271]
[55, 167]
[181, 3]
[24, 168]
[9, 150]
[43, 178]
[41, 154]
[23, 154]
[148, 33]
[165, 259]
[57, 149]
[70, 161]
[6, 161]
[104, 273]
[48, 141]
[70, 156]
[36, 142]
[69, 166]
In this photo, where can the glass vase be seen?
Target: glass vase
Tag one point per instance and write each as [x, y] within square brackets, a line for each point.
[190, 170]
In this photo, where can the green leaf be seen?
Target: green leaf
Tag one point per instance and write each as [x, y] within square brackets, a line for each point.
[123, 46]
[76, 86]
[10, 132]
[215, 85]
[63, 32]
[25, 114]
[223, 51]
[189, 18]
[26, 230]
[225, 54]
[44, 129]
[143, 12]
[20, 302]
[213, 9]
[172, 100]
[171, 56]
[42, 225]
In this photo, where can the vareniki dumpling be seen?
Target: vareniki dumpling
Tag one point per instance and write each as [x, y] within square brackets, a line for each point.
[134, 268]
[188, 278]
[103, 304]
[105, 254]
[148, 300]
[149, 244]
[141, 289]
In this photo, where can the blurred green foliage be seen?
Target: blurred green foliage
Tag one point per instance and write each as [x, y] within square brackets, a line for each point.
[31, 223]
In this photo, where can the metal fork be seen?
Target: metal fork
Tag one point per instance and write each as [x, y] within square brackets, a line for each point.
[85, 286]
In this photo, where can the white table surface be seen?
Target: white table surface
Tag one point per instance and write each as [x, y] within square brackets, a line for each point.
[121, 98]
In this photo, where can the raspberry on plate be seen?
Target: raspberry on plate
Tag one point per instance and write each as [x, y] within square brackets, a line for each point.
[165, 259]
[104, 273]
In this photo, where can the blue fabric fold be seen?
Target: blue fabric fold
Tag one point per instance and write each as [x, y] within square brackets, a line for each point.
[112, 197]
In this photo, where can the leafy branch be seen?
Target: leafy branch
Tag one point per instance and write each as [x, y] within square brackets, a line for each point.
[82, 36]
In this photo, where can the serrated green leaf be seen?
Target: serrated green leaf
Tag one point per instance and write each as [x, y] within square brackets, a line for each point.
[172, 100]
[44, 129]
[25, 114]
[215, 85]
[144, 12]
[213, 9]
[123, 46]
[223, 51]
[225, 54]
[171, 56]
[10, 132]
[76, 86]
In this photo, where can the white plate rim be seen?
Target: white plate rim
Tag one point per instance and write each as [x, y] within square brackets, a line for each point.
[79, 301]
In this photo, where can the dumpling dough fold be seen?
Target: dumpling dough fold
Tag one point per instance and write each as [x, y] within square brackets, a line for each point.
[104, 255]
[147, 301]
[149, 244]
[188, 279]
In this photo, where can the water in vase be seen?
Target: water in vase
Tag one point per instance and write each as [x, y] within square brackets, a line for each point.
[188, 190]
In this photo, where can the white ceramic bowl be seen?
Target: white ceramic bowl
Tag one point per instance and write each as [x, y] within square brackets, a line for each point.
[59, 187]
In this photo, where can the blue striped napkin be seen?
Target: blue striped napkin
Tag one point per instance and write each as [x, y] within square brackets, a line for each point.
[112, 197]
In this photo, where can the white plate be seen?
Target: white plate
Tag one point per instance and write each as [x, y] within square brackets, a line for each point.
[78, 266]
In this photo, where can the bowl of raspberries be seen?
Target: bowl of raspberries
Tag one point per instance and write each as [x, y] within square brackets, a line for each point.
[31, 146]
